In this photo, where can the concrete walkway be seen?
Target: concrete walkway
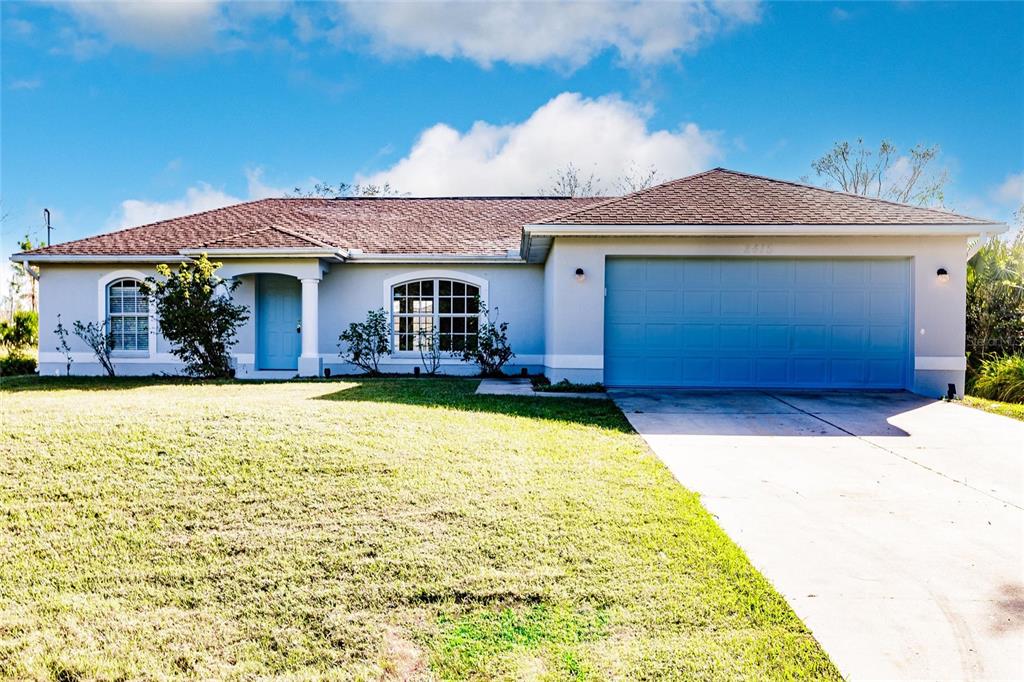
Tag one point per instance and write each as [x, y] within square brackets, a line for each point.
[894, 525]
[523, 387]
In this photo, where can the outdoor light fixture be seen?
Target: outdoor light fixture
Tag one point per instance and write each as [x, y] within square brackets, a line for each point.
[942, 275]
[580, 275]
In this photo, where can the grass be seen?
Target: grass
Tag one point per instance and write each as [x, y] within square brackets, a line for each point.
[1014, 410]
[371, 529]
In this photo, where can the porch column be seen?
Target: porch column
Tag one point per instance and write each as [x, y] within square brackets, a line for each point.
[309, 362]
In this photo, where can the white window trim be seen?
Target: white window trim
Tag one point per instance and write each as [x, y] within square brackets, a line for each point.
[389, 283]
[101, 311]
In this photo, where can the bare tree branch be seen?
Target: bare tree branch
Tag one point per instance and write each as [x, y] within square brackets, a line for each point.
[884, 174]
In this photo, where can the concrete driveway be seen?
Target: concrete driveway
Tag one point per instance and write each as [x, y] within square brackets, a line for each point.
[893, 524]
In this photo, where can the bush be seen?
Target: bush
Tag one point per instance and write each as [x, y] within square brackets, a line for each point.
[364, 344]
[99, 340]
[544, 385]
[15, 364]
[1000, 379]
[490, 350]
[21, 332]
[197, 315]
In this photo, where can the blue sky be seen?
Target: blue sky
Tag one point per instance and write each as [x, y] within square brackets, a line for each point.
[119, 114]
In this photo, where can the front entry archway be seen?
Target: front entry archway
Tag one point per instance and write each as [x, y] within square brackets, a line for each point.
[278, 322]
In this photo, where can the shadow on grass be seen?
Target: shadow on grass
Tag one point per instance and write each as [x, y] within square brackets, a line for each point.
[459, 393]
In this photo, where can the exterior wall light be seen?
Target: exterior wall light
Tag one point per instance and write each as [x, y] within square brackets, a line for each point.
[942, 275]
[580, 275]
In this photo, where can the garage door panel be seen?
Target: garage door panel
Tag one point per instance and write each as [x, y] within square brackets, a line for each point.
[757, 322]
[663, 336]
[737, 303]
[810, 304]
[701, 273]
[808, 337]
[810, 371]
[773, 304]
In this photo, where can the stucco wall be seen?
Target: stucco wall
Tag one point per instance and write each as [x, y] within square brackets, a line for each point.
[555, 322]
[574, 318]
[346, 292]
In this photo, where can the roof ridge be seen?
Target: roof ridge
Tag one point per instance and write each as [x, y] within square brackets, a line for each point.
[844, 193]
[613, 200]
[720, 169]
[454, 197]
[282, 230]
[299, 235]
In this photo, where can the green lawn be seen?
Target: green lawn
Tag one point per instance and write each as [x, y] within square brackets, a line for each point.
[1014, 410]
[389, 529]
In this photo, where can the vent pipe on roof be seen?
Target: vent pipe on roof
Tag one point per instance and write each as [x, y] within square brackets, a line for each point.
[49, 228]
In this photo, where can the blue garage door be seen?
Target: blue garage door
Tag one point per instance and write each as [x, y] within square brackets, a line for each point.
[757, 322]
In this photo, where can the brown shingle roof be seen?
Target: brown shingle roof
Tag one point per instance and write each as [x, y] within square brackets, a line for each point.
[492, 226]
[725, 197]
[469, 226]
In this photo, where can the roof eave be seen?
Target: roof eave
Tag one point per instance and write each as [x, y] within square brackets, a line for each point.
[94, 258]
[864, 230]
[360, 257]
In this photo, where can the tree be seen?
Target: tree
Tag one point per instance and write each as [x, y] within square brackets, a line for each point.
[884, 174]
[197, 315]
[636, 178]
[344, 189]
[995, 300]
[24, 280]
[365, 344]
[569, 182]
[100, 340]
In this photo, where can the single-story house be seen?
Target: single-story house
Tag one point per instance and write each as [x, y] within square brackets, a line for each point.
[720, 279]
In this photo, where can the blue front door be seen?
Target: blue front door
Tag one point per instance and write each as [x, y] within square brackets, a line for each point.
[278, 320]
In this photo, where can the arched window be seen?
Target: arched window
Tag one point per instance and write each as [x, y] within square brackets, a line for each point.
[128, 315]
[449, 306]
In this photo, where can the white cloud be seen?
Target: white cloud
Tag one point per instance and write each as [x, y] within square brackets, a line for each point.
[1011, 191]
[202, 197]
[152, 25]
[20, 27]
[259, 189]
[561, 32]
[570, 33]
[25, 84]
[605, 136]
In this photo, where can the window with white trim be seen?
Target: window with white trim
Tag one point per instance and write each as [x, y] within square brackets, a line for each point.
[447, 305]
[128, 315]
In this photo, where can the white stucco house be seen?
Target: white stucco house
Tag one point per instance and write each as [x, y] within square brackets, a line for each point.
[720, 279]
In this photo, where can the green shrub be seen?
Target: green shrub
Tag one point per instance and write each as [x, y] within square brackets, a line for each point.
[15, 364]
[21, 332]
[365, 344]
[197, 315]
[490, 349]
[1000, 379]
